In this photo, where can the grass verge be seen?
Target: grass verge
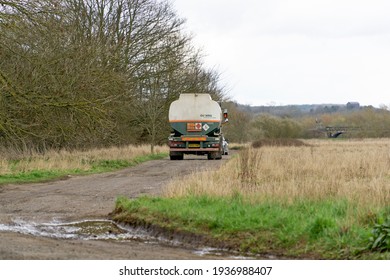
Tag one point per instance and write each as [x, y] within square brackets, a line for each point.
[304, 229]
[91, 167]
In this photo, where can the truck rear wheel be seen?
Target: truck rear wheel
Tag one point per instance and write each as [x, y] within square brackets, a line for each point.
[176, 156]
[214, 155]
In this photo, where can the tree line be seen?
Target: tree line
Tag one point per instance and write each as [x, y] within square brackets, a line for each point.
[87, 73]
[366, 122]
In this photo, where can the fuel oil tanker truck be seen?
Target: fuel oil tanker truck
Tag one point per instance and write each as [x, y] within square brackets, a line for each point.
[196, 122]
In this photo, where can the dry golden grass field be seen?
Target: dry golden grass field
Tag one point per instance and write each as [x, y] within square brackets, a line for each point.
[355, 170]
[17, 162]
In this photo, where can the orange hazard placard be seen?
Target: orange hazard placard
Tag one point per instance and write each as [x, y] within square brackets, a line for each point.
[194, 126]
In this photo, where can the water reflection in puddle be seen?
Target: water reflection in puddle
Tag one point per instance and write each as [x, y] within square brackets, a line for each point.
[99, 230]
[83, 230]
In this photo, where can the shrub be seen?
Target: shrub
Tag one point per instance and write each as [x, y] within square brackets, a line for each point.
[380, 239]
[269, 126]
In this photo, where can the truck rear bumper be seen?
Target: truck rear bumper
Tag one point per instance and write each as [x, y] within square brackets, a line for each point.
[194, 150]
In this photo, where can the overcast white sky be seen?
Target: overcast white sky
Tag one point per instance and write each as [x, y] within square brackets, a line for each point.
[284, 52]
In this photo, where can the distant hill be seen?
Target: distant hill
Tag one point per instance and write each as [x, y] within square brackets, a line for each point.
[300, 110]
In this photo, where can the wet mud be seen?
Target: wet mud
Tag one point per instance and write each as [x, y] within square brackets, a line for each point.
[107, 230]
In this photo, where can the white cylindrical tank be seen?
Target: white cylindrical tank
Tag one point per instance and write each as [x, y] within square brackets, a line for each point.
[195, 107]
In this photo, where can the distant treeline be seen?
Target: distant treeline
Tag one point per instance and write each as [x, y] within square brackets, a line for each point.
[85, 73]
[295, 111]
[248, 123]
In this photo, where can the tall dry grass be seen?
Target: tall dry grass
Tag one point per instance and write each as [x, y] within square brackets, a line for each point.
[354, 170]
[14, 162]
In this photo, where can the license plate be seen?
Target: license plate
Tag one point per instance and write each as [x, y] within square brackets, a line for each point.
[193, 145]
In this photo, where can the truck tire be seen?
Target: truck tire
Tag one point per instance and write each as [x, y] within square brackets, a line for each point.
[176, 156]
[214, 155]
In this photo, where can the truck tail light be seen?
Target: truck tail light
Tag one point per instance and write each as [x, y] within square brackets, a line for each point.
[176, 144]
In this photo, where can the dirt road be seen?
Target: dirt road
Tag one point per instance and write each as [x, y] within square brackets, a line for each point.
[29, 212]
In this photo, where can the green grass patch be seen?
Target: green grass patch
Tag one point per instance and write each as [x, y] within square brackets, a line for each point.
[112, 165]
[99, 166]
[33, 176]
[299, 230]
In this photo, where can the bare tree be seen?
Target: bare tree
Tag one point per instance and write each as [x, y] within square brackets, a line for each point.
[76, 73]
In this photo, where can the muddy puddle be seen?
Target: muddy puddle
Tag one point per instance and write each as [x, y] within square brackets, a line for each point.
[102, 230]
[82, 230]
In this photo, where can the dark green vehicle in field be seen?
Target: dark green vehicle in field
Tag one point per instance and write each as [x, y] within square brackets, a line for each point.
[196, 122]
